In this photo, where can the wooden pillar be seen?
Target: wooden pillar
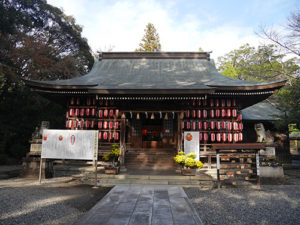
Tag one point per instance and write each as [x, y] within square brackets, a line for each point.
[179, 144]
[122, 140]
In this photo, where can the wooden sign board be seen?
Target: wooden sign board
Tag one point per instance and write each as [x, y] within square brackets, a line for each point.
[191, 143]
[70, 144]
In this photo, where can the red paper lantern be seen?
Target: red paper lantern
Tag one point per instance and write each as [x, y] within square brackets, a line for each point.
[100, 113]
[116, 126]
[111, 113]
[240, 117]
[193, 113]
[204, 113]
[100, 135]
[87, 112]
[205, 136]
[235, 126]
[228, 113]
[218, 137]
[212, 113]
[217, 103]
[230, 137]
[199, 125]
[110, 124]
[204, 102]
[218, 125]
[105, 135]
[116, 136]
[241, 126]
[211, 102]
[228, 102]
[229, 125]
[100, 124]
[105, 113]
[240, 136]
[217, 113]
[71, 112]
[235, 137]
[86, 124]
[117, 112]
[200, 136]
[78, 101]
[81, 124]
[212, 137]
[234, 113]
[187, 114]
[67, 115]
[105, 124]
[144, 132]
[94, 101]
[223, 125]
[223, 102]
[76, 112]
[194, 125]
[188, 125]
[88, 101]
[92, 124]
[223, 113]
[205, 125]
[224, 137]
[81, 112]
[72, 101]
[111, 136]
[93, 112]
[212, 125]
[69, 123]
[199, 113]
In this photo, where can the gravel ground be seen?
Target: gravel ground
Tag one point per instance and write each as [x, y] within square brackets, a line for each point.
[272, 204]
[56, 201]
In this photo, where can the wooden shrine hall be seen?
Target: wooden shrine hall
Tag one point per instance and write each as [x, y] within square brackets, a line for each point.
[145, 101]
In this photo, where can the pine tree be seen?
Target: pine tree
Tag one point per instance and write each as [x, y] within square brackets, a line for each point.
[150, 41]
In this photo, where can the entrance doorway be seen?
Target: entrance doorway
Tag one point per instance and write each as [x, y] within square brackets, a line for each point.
[152, 142]
[152, 133]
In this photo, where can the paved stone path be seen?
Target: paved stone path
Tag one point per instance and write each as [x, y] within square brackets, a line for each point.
[143, 205]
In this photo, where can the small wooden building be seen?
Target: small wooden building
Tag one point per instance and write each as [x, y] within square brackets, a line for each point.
[146, 100]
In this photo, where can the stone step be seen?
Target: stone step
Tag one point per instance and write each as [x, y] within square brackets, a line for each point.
[206, 184]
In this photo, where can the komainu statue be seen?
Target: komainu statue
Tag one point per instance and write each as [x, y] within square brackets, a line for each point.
[260, 131]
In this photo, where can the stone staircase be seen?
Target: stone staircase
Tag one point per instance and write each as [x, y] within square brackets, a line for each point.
[150, 159]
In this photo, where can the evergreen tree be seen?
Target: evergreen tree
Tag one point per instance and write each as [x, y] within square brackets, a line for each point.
[150, 41]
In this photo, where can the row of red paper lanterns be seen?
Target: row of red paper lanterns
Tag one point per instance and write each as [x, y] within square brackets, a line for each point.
[212, 125]
[102, 113]
[108, 136]
[213, 113]
[221, 137]
[92, 124]
[215, 102]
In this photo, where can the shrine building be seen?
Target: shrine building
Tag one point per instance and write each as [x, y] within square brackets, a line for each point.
[145, 101]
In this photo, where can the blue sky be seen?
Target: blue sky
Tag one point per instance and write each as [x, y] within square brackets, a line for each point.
[214, 25]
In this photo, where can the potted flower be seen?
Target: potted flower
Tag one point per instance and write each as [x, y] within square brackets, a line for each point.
[188, 163]
[113, 158]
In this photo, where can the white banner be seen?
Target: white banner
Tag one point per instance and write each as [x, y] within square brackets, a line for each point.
[70, 144]
[191, 143]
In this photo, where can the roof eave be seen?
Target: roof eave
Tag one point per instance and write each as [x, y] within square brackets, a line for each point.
[275, 85]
